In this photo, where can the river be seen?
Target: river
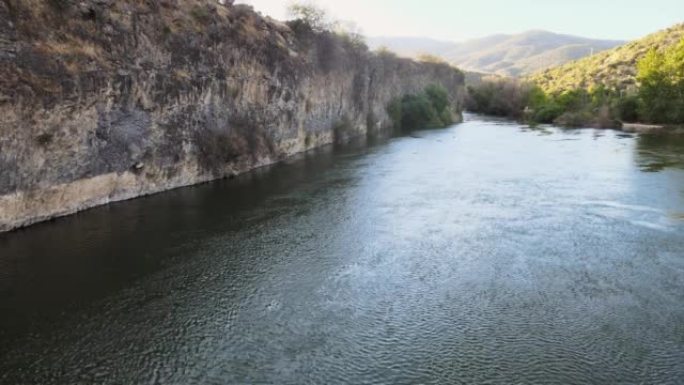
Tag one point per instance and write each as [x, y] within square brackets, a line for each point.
[488, 252]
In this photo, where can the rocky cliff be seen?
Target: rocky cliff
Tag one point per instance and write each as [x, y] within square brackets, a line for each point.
[106, 100]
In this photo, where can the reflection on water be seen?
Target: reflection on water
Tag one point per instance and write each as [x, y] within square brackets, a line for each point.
[484, 253]
[656, 152]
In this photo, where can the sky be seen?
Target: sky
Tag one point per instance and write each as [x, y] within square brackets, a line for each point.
[458, 20]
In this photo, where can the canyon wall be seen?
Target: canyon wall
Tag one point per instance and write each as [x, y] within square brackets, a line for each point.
[106, 100]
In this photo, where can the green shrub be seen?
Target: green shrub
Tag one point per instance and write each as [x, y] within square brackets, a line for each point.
[438, 96]
[547, 113]
[573, 100]
[598, 107]
[627, 108]
[661, 85]
[446, 117]
[417, 112]
[429, 109]
[503, 97]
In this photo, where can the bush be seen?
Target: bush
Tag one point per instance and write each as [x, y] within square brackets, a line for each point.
[417, 112]
[597, 107]
[627, 108]
[429, 109]
[546, 113]
[503, 97]
[438, 97]
[573, 100]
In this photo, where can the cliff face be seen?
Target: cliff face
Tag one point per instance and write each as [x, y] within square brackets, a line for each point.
[106, 100]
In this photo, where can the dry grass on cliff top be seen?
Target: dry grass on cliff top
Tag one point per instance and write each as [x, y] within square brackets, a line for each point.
[70, 27]
[68, 38]
[60, 38]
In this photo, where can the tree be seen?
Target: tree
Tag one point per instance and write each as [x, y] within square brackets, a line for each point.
[652, 86]
[351, 32]
[317, 20]
[661, 85]
[312, 15]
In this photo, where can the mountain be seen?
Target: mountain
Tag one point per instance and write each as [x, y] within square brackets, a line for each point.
[510, 55]
[615, 68]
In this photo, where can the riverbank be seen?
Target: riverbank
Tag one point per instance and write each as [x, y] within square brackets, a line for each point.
[641, 128]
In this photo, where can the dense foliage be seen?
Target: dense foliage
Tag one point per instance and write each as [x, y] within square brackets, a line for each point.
[428, 109]
[501, 96]
[661, 85]
[598, 107]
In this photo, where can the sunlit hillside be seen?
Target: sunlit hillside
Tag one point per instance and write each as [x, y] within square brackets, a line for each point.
[615, 68]
[508, 55]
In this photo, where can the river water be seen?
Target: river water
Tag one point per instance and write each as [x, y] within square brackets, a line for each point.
[487, 252]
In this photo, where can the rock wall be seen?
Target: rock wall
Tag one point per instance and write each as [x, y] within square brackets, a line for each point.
[106, 100]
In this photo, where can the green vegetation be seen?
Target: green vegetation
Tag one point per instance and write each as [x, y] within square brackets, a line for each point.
[429, 109]
[613, 69]
[500, 96]
[661, 85]
[523, 100]
[628, 84]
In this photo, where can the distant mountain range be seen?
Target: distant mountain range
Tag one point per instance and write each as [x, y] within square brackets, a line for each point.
[615, 68]
[510, 55]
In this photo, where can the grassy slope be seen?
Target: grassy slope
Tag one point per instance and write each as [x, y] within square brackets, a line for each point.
[615, 68]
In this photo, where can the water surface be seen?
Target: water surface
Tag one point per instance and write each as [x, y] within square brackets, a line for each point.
[487, 252]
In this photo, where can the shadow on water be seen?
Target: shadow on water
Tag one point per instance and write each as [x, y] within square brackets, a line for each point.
[61, 265]
[656, 152]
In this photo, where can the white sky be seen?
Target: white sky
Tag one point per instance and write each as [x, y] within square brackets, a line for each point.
[460, 20]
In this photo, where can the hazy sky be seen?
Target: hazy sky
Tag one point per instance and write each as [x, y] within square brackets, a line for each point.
[460, 20]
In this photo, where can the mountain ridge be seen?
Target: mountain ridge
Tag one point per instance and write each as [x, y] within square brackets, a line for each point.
[504, 54]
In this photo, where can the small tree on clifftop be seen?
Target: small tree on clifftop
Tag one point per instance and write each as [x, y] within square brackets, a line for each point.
[318, 20]
[309, 13]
